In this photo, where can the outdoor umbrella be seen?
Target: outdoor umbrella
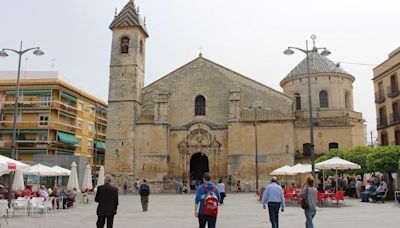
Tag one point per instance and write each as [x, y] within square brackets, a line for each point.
[18, 182]
[337, 163]
[61, 171]
[100, 179]
[73, 178]
[87, 179]
[7, 165]
[282, 171]
[40, 170]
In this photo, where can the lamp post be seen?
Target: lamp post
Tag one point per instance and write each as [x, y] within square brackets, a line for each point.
[95, 110]
[325, 52]
[255, 109]
[14, 153]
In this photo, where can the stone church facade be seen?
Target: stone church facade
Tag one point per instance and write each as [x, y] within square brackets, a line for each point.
[206, 117]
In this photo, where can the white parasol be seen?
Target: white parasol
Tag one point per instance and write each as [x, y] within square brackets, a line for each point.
[100, 179]
[73, 178]
[40, 170]
[7, 165]
[87, 179]
[18, 182]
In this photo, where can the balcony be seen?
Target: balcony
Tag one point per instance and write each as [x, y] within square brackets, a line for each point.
[380, 97]
[393, 91]
[39, 125]
[381, 122]
[26, 104]
[394, 118]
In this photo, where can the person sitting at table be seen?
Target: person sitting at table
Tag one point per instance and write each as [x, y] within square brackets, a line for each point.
[43, 192]
[63, 196]
[55, 194]
[18, 194]
[71, 194]
[379, 191]
[366, 194]
[28, 191]
[4, 192]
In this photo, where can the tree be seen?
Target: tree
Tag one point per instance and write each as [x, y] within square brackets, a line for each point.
[359, 156]
[384, 159]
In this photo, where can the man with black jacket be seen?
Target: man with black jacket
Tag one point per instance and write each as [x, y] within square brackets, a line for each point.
[107, 197]
[144, 192]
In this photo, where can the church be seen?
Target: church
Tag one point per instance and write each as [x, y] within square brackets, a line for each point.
[204, 117]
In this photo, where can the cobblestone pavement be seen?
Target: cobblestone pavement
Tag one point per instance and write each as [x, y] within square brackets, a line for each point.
[240, 210]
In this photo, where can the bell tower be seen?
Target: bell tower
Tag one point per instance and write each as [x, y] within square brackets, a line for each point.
[125, 87]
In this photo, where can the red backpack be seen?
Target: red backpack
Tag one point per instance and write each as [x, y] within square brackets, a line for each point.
[210, 206]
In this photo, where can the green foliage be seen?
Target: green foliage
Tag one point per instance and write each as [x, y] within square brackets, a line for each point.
[359, 156]
[384, 159]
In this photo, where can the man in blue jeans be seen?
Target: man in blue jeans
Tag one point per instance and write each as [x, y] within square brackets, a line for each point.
[273, 195]
[200, 197]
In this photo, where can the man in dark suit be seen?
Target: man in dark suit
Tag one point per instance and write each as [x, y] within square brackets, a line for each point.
[107, 197]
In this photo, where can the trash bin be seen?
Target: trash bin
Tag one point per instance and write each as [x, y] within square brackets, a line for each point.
[247, 187]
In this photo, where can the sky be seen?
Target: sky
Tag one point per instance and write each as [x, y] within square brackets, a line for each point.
[247, 36]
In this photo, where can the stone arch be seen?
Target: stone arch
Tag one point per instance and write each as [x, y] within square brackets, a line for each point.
[124, 44]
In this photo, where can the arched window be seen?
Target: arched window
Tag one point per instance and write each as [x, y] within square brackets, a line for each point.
[384, 138]
[298, 101]
[323, 99]
[141, 47]
[200, 106]
[347, 100]
[124, 45]
[333, 145]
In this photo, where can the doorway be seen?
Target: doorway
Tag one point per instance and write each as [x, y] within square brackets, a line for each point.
[198, 166]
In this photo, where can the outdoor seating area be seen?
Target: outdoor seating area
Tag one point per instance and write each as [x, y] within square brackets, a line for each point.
[31, 201]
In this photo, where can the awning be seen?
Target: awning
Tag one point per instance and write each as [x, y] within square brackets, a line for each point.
[67, 138]
[23, 131]
[68, 97]
[67, 115]
[29, 92]
[100, 145]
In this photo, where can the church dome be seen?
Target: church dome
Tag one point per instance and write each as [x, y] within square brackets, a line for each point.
[318, 64]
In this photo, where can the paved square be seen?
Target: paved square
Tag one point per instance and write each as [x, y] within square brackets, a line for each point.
[240, 210]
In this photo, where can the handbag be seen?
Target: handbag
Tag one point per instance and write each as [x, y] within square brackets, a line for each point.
[304, 203]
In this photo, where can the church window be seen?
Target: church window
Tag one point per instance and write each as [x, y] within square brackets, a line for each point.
[323, 99]
[298, 101]
[200, 106]
[141, 47]
[124, 45]
[333, 145]
[347, 100]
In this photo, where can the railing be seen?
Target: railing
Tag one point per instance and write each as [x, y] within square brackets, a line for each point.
[381, 122]
[36, 125]
[394, 118]
[41, 104]
[380, 96]
[34, 144]
[393, 91]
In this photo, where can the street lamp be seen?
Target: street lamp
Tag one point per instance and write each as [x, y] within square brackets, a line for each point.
[95, 109]
[14, 153]
[325, 52]
[255, 108]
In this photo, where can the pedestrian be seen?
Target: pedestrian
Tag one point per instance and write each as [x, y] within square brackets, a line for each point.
[144, 192]
[208, 197]
[136, 186]
[125, 188]
[273, 196]
[107, 197]
[221, 189]
[309, 193]
[238, 186]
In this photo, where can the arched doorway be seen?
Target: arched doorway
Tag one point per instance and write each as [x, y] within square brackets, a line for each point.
[198, 166]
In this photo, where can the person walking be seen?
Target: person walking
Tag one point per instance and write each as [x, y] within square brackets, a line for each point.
[136, 186]
[144, 192]
[125, 188]
[309, 193]
[107, 197]
[203, 210]
[273, 196]
[221, 189]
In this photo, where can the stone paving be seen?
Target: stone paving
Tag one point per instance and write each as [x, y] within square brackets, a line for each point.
[240, 210]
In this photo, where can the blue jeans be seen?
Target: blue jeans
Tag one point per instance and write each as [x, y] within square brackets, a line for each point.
[273, 209]
[310, 214]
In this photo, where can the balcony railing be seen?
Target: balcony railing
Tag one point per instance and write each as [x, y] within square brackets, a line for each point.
[41, 104]
[39, 124]
[381, 122]
[393, 91]
[394, 118]
[380, 96]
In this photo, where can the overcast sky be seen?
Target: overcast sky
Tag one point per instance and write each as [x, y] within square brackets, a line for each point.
[247, 36]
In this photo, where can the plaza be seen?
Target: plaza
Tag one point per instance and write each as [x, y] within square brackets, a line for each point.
[239, 210]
